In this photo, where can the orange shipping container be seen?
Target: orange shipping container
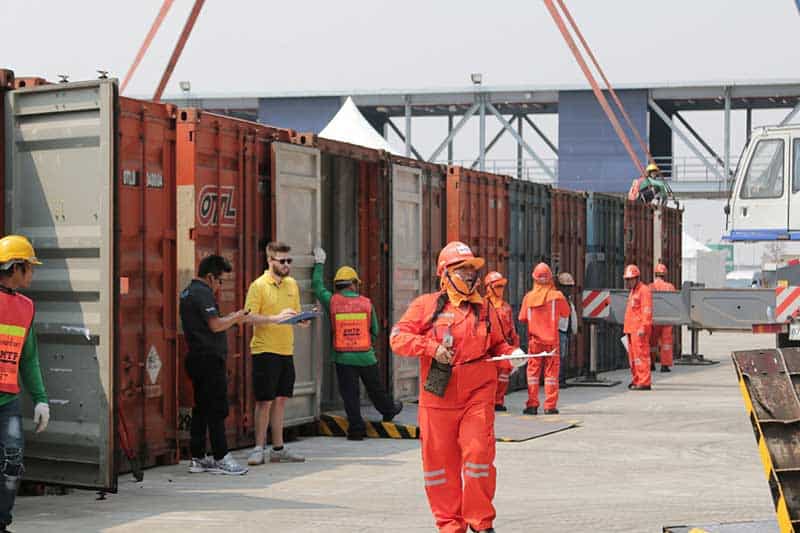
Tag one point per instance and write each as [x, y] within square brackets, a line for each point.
[568, 253]
[477, 214]
[223, 169]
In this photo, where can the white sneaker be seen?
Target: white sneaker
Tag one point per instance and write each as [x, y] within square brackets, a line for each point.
[228, 465]
[256, 457]
[284, 456]
[198, 466]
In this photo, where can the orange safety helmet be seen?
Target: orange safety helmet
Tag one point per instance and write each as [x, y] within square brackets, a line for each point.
[494, 278]
[542, 273]
[631, 271]
[457, 253]
[661, 269]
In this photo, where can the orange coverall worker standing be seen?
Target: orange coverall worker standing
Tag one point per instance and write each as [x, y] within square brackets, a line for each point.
[638, 327]
[661, 340]
[541, 310]
[503, 320]
[451, 329]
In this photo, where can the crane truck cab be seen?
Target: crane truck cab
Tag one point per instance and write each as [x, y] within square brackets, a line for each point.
[765, 200]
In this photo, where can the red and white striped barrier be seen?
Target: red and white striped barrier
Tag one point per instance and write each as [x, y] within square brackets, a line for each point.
[596, 304]
[787, 302]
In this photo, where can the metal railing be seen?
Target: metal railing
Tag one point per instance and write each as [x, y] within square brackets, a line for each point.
[529, 171]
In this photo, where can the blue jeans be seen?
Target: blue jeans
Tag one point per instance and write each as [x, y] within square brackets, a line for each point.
[563, 339]
[11, 446]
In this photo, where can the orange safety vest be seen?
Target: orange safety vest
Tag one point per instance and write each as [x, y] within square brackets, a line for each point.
[16, 317]
[351, 318]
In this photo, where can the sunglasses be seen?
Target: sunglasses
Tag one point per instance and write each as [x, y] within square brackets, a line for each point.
[286, 261]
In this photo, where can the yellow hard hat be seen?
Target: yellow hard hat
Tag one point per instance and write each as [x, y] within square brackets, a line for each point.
[15, 249]
[346, 273]
[651, 167]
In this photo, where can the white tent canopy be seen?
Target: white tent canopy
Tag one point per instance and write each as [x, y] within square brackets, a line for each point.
[350, 126]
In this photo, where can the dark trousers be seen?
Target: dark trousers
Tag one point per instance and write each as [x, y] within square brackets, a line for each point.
[563, 339]
[209, 380]
[11, 447]
[348, 376]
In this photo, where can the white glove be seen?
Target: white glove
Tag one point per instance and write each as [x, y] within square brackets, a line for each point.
[319, 255]
[519, 362]
[41, 416]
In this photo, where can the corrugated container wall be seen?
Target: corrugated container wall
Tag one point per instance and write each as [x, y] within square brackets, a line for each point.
[146, 322]
[668, 242]
[223, 184]
[528, 238]
[605, 265]
[6, 84]
[477, 214]
[639, 238]
[105, 294]
[568, 245]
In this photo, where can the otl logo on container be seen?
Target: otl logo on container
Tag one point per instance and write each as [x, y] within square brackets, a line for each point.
[215, 206]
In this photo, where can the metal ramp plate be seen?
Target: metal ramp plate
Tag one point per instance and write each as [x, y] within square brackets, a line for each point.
[756, 526]
[769, 381]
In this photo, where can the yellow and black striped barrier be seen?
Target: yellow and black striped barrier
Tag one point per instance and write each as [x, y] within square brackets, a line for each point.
[765, 381]
[336, 426]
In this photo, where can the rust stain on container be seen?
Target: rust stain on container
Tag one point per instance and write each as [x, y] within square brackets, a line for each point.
[478, 214]
[6, 84]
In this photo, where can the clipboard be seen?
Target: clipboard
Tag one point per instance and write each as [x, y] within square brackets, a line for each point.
[300, 317]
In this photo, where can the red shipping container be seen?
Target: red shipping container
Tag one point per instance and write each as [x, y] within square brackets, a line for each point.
[478, 215]
[639, 238]
[146, 322]
[223, 169]
[568, 254]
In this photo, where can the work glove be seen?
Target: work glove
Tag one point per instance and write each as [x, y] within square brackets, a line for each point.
[519, 362]
[41, 416]
[319, 255]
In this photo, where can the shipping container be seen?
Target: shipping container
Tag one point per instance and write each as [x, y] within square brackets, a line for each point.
[639, 237]
[90, 179]
[225, 206]
[605, 266]
[568, 254]
[478, 214]
[6, 84]
[528, 238]
[354, 225]
[667, 249]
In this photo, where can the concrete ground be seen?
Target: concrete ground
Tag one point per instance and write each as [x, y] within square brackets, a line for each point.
[683, 453]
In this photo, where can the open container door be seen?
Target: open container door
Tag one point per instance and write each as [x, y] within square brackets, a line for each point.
[406, 266]
[298, 216]
[60, 193]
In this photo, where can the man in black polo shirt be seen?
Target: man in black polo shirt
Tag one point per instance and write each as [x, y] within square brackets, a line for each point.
[204, 330]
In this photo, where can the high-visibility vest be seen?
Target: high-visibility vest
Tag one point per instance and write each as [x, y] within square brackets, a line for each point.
[16, 317]
[351, 317]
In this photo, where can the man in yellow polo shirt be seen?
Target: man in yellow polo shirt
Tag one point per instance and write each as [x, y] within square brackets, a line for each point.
[270, 299]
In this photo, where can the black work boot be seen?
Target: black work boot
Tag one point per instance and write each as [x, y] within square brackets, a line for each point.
[551, 411]
[531, 411]
[398, 406]
[355, 435]
[665, 369]
[490, 530]
[500, 407]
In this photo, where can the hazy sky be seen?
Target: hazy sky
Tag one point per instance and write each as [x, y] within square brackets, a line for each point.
[248, 46]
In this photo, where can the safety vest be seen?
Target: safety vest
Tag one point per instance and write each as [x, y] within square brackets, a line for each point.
[351, 317]
[16, 316]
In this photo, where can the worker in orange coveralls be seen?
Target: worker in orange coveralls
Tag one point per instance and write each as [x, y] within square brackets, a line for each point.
[503, 320]
[638, 326]
[661, 341]
[451, 332]
[541, 310]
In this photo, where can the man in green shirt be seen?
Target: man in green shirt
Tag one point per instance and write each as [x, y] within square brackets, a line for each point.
[650, 187]
[354, 328]
[19, 361]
